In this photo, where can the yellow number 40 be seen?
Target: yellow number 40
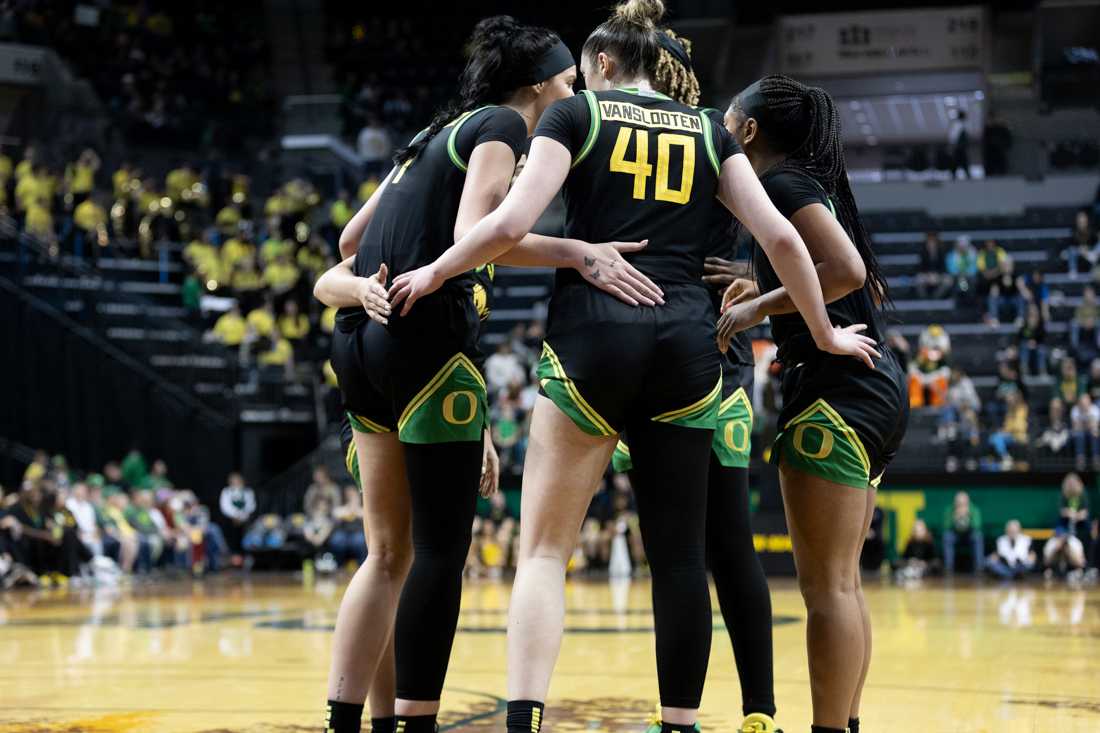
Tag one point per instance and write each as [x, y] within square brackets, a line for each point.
[641, 169]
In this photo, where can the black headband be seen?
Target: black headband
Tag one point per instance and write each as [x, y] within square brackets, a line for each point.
[752, 101]
[675, 48]
[555, 60]
[753, 104]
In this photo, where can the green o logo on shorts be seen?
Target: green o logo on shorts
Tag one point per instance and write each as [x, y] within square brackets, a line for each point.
[470, 408]
[733, 429]
[825, 447]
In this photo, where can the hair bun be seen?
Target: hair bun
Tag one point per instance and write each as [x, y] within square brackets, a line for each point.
[646, 13]
[493, 30]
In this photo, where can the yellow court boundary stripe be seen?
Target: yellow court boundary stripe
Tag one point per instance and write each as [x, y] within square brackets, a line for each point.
[697, 406]
[834, 417]
[430, 388]
[586, 409]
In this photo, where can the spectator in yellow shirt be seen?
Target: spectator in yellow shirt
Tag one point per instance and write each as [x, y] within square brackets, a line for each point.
[275, 351]
[90, 222]
[147, 196]
[262, 319]
[235, 250]
[89, 216]
[33, 185]
[281, 275]
[228, 220]
[293, 324]
[80, 176]
[46, 184]
[248, 282]
[27, 165]
[121, 178]
[1014, 430]
[312, 258]
[274, 247]
[367, 189]
[276, 205]
[340, 212]
[203, 256]
[178, 180]
[39, 221]
[328, 320]
[230, 328]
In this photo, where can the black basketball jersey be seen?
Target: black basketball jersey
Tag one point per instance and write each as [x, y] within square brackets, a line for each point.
[724, 243]
[415, 220]
[790, 190]
[644, 167]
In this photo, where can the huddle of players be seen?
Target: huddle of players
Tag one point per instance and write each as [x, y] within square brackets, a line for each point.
[629, 352]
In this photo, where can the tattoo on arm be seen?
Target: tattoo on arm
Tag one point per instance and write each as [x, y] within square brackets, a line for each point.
[596, 275]
[589, 261]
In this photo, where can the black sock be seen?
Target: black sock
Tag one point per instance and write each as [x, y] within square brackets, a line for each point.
[677, 727]
[823, 729]
[343, 717]
[415, 724]
[524, 716]
[853, 725]
[383, 725]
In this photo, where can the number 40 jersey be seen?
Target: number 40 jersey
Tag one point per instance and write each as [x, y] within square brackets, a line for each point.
[644, 167]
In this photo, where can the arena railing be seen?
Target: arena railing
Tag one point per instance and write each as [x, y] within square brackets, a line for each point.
[85, 294]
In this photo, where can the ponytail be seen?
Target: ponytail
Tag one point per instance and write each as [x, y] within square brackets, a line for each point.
[630, 35]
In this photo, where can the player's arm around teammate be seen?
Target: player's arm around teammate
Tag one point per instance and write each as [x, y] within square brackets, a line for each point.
[841, 422]
[839, 268]
[739, 190]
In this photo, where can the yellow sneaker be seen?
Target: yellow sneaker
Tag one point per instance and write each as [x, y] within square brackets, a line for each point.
[759, 723]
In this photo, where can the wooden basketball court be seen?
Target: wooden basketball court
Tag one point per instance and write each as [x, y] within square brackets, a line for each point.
[250, 656]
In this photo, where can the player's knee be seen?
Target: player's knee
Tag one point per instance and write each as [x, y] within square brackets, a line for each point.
[546, 551]
[393, 556]
[824, 593]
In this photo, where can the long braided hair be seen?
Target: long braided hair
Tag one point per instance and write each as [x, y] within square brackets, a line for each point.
[802, 122]
[501, 54]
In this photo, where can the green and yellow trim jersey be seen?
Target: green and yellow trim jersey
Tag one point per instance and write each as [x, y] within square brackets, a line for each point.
[644, 167]
[791, 190]
[415, 220]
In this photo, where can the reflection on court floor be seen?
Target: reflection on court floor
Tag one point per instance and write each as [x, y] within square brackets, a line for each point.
[250, 656]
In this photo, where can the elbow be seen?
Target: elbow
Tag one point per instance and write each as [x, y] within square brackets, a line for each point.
[854, 274]
[506, 230]
[786, 244]
[348, 246]
[319, 289]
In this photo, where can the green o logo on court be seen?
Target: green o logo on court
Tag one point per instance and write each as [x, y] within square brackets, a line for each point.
[824, 443]
[470, 408]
